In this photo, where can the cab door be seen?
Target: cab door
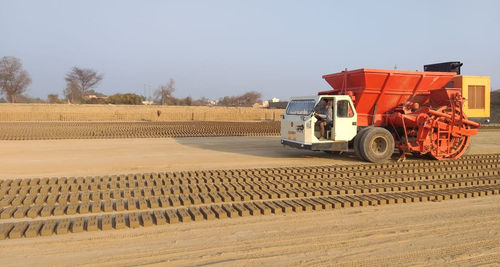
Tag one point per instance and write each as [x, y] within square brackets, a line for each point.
[345, 119]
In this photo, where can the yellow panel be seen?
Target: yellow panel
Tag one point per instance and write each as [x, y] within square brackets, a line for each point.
[464, 82]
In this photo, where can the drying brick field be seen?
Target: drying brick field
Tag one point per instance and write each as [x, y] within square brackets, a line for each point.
[50, 206]
[64, 112]
[109, 185]
[99, 130]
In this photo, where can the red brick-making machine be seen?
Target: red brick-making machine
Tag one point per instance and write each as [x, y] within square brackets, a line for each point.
[376, 111]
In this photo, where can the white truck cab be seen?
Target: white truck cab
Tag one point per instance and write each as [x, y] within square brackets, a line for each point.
[300, 130]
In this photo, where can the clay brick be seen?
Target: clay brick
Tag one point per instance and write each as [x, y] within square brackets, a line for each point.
[254, 210]
[219, 212]
[105, 195]
[131, 205]
[146, 218]
[263, 194]
[295, 207]
[133, 220]
[195, 199]
[159, 217]
[315, 205]
[107, 205]
[225, 197]
[146, 192]
[21, 212]
[73, 197]
[196, 215]
[51, 199]
[305, 206]
[126, 193]
[63, 198]
[234, 196]
[208, 214]
[29, 200]
[63, 226]
[18, 230]
[215, 197]
[84, 208]
[242, 210]
[163, 201]
[245, 196]
[352, 202]
[92, 223]
[106, 222]
[71, 209]
[8, 212]
[95, 207]
[5, 229]
[274, 208]
[185, 200]
[231, 211]
[84, 196]
[77, 225]
[120, 205]
[172, 216]
[184, 215]
[205, 198]
[324, 204]
[40, 199]
[119, 221]
[285, 207]
[34, 211]
[264, 209]
[48, 228]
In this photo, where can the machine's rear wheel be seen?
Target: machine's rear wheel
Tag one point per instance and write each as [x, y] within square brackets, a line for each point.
[376, 145]
[357, 138]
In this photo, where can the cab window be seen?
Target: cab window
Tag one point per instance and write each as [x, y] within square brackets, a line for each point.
[344, 109]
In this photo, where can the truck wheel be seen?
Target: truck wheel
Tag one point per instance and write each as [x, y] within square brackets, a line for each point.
[357, 138]
[376, 145]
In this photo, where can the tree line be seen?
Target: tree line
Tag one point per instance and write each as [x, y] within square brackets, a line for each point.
[82, 82]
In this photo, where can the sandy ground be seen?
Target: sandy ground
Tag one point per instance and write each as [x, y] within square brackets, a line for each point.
[463, 232]
[454, 232]
[84, 157]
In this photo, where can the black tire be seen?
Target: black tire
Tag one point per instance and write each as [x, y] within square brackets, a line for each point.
[357, 138]
[376, 145]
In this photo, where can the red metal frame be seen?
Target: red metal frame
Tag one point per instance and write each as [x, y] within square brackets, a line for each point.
[423, 116]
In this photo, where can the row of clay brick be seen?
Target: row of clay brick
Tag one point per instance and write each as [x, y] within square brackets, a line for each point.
[210, 212]
[50, 130]
[206, 186]
[357, 186]
[340, 171]
[167, 191]
[143, 203]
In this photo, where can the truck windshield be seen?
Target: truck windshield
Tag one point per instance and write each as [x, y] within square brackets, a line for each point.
[300, 107]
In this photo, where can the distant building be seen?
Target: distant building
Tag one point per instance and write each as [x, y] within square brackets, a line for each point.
[96, 97]
[279, 104]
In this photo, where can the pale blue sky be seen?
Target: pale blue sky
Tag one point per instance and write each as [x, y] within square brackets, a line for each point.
[217, 48]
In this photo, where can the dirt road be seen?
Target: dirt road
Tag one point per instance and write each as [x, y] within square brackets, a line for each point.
[84, 157]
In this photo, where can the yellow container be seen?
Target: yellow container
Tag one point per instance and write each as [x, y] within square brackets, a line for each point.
[476, 90]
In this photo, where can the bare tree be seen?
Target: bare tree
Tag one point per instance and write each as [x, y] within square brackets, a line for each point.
[53, 98]
[245, 100]
[79, 82]
[164, 92]
[13, 78]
